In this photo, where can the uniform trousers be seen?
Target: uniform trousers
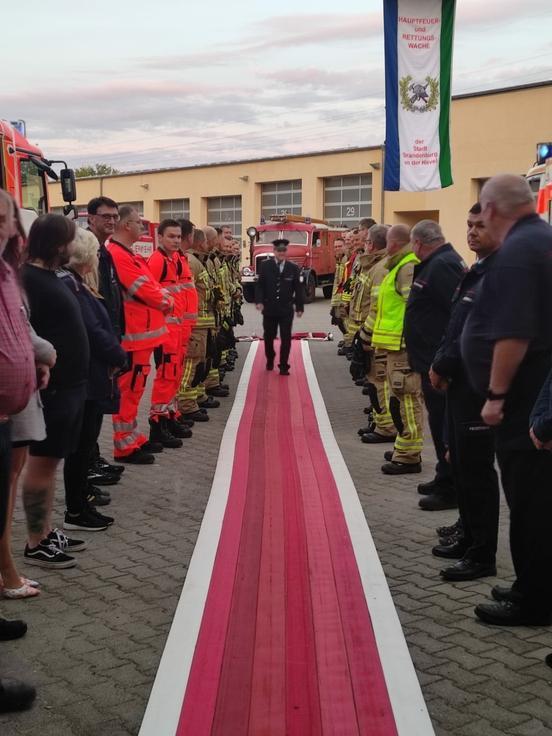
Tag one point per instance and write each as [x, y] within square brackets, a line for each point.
[435, 403]
[472, 455]
[406, 408]
[378, 387]
[271, 323]
[193, 363]
[75, 470]
[126, 436]
[167, 377]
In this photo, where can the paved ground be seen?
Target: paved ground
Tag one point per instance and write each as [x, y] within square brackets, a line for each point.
[97, 632]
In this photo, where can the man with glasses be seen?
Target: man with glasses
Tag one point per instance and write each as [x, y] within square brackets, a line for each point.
[145, 303]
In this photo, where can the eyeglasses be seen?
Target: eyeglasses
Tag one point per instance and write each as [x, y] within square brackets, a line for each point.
[106, 218]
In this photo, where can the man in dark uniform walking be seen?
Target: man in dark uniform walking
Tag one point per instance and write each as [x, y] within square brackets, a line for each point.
[279, 290]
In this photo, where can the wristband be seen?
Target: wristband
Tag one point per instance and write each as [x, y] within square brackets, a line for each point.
[491, 396]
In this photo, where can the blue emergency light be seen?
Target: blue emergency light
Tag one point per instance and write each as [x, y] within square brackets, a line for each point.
[544, 152]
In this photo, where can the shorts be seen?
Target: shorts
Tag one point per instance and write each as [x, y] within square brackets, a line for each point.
[63, 412]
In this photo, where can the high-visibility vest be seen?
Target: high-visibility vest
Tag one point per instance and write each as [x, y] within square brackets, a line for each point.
[388, 329]
[145, 302]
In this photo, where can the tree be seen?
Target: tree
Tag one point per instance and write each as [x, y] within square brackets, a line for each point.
[95, 170]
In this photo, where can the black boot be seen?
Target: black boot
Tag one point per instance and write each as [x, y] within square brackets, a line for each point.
[178, 430]
[159, 432]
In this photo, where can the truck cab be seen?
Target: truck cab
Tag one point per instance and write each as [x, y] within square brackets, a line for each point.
[311, 247]
[24, 172]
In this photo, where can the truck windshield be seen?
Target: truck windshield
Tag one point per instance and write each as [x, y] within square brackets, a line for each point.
[33, 187]
[297, 237]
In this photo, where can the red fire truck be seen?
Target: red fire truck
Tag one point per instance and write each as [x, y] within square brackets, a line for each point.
[311, 247]
[23, 172]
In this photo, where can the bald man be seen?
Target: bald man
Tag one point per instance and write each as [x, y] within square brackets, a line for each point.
[405, 402]
[507, 347]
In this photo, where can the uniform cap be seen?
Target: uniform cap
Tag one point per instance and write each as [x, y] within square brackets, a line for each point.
[280, 244]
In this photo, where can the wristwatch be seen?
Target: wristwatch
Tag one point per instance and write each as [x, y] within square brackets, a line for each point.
[491, 396]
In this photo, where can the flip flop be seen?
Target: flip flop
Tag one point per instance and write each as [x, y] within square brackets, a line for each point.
[24, 591]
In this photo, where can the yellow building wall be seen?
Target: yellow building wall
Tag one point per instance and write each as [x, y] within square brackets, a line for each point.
[491, 134]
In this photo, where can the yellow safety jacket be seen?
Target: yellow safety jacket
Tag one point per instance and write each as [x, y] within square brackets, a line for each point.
[360, 298]
[205, 314]
[392, 298]
[340, 266]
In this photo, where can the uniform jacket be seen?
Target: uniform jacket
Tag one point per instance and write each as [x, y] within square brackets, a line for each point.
[448, 358]
[188, 292]
[378, 273]
[166, 268]
[279, 292]
[144, 300]
[203, 284]
[360, 299]
[430, 303]
[340, 265]
[105, 351]
[110, 289]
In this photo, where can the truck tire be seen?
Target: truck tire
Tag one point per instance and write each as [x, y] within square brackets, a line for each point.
[327, 291]
[310, 289]
[249, 293]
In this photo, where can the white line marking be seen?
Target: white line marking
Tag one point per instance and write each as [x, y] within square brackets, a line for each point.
[167, 695]
[407, 701]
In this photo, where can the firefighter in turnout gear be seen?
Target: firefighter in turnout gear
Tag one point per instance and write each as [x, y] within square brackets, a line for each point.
[352, 270]
[405, 402]
[167, 267]
[194, 368]
[365, 303]
[341, 258]
[145, 304]
[211, 387]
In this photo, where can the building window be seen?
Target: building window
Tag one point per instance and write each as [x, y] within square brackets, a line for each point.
[174, 209]
[281, 198]
[225, 211]
[347, 199]
[138, 206]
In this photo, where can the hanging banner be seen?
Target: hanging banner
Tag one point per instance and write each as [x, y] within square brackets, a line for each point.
[418, 66]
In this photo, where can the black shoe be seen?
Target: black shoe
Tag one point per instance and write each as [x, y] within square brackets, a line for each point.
[228, 367]
[373, 438]
[507, 613]
[284, 370]
[365, 430]
[225, 386]
[64, 543]
[179, 430]
[449, 552]
[468, 570]
[102, 464]
[270, 365]
[368, 410]
[138, 457]
[359, 382]
[438, 502]
[435, 486]
[209, 404]
[502, 593]
[366, 391]
[188, 423]
[151, 447]
[160, 432]
[98, 491]
[197, 416]
[48, 555]
[96, 499]
[388, 455]
[218, 391]
[343, 350]
[395, 468]
[83, 522]
[10, 630]
[449, 531]
[15, 695]
[102, 518]
[447, 541]
[103, 479]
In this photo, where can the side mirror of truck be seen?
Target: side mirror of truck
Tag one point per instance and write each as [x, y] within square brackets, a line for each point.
[68, 185]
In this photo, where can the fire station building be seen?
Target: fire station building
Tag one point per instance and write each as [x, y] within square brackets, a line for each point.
[493, 132]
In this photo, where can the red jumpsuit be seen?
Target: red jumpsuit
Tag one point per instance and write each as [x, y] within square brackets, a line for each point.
[167, 268]
[145, 305]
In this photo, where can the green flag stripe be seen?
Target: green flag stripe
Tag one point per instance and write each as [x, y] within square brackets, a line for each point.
[447, 33]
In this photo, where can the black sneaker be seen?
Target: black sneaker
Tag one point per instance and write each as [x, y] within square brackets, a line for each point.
[97, 499]
[107, 520]
[83, 522]
[102, 464]
[449, 531]
[64, 544]
[138, 457]
[48, 555]
[103, 479]
[98, 491]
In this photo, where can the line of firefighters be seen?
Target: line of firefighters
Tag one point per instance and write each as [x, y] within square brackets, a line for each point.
[374, 279]
[180, 305]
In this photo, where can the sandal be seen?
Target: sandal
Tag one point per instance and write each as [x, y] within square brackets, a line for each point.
[24, 591]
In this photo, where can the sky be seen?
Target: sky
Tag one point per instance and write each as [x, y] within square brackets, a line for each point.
[184, 82]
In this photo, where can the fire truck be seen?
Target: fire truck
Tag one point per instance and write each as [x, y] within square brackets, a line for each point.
[539, 177]
[24, 171]
[311, 247]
